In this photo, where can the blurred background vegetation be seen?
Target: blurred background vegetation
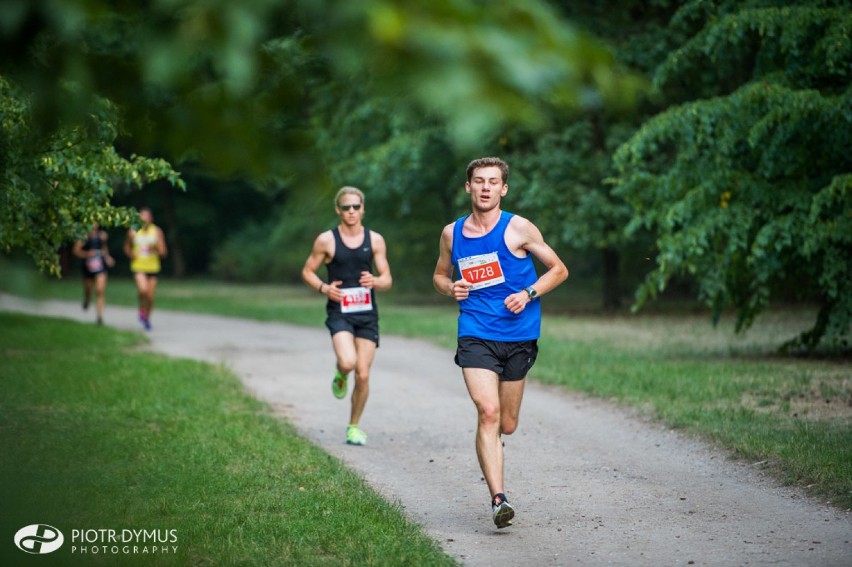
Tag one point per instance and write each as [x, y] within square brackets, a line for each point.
[700, 146]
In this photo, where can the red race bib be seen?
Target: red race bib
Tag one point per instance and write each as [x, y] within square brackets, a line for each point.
[482, 270]
[355, 299]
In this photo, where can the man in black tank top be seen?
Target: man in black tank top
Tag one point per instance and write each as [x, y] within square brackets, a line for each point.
[351, 254]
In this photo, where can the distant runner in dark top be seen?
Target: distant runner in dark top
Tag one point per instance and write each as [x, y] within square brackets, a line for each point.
[350, 252]
[96, 259]
[499, 323]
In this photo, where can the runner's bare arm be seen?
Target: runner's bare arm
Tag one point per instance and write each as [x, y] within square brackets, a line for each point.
[161, 244]
[128, 244]
[443, 277]
[525, 235]
[322, 251]
[78, 250]
[383, 280]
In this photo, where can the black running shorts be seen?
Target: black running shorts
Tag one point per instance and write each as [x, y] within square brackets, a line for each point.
[362, 326]
[510, 360]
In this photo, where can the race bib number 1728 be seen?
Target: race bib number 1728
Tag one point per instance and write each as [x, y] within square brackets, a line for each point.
[482, 270]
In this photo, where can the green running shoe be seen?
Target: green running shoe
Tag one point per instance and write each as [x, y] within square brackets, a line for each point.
[338, 385]
[354, 436]
[501, 511]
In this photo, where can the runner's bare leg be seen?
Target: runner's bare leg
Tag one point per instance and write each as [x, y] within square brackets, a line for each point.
[100, 293]
[366, 351]
[484, 389]
[344, 350]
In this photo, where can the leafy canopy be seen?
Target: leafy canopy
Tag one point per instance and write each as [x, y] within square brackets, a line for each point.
[56, 185]
[230, 85]
[748, 183]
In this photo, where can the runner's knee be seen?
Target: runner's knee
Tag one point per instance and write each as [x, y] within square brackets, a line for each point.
[508, 425]
[346, 364]
[489, 414]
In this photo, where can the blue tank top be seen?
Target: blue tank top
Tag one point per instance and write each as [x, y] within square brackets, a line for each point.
[496, 273]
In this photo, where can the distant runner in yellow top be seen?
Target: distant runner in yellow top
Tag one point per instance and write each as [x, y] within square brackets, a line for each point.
[145, 246]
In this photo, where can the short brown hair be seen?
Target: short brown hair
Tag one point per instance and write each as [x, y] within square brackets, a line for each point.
[488, 162]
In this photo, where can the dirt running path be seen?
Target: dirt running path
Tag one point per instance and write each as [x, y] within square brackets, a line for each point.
[592, 484]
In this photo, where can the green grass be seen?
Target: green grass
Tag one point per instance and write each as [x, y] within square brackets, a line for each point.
[792, 415]
[98, 435]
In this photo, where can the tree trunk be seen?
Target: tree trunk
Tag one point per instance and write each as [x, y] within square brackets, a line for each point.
[611, 279]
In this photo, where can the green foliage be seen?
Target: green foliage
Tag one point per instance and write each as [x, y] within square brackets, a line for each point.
[274, 250]
[237, 87]
[558, 174]
[477, 67]
[748, 187]
[56, 184]
[194, 78]
[228, 82]
[803, 46]
[559, 181]
[410, 178]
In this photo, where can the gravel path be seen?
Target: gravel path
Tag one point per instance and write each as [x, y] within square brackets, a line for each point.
[592, 484]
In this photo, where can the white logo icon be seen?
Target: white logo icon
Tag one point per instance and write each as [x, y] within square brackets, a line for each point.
[38, 539]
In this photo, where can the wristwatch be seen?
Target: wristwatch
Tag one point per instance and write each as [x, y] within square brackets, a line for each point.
[531, 292]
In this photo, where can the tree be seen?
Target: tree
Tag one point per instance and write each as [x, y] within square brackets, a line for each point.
[404, 161]
[56, 185]
[563, 170]
[747, 179]
[229, 84]
[561, 175]
[227, 81]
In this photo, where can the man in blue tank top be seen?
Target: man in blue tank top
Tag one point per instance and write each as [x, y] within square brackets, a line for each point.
[499, 312]
[349, 252]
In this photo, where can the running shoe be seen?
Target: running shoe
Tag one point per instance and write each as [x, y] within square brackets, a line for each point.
[354, 436]
[501, 511]
[338, 385]
[145, 322]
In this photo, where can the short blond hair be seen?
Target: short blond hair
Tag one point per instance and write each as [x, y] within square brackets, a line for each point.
[347, 190]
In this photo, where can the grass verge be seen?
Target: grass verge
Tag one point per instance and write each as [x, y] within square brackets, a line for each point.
[96, 436]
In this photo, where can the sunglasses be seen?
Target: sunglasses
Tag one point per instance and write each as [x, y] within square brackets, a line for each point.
[345, 208]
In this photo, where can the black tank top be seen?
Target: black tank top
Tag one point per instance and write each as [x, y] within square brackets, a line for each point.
[94, 265]
[93, 242]
[347, 265]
